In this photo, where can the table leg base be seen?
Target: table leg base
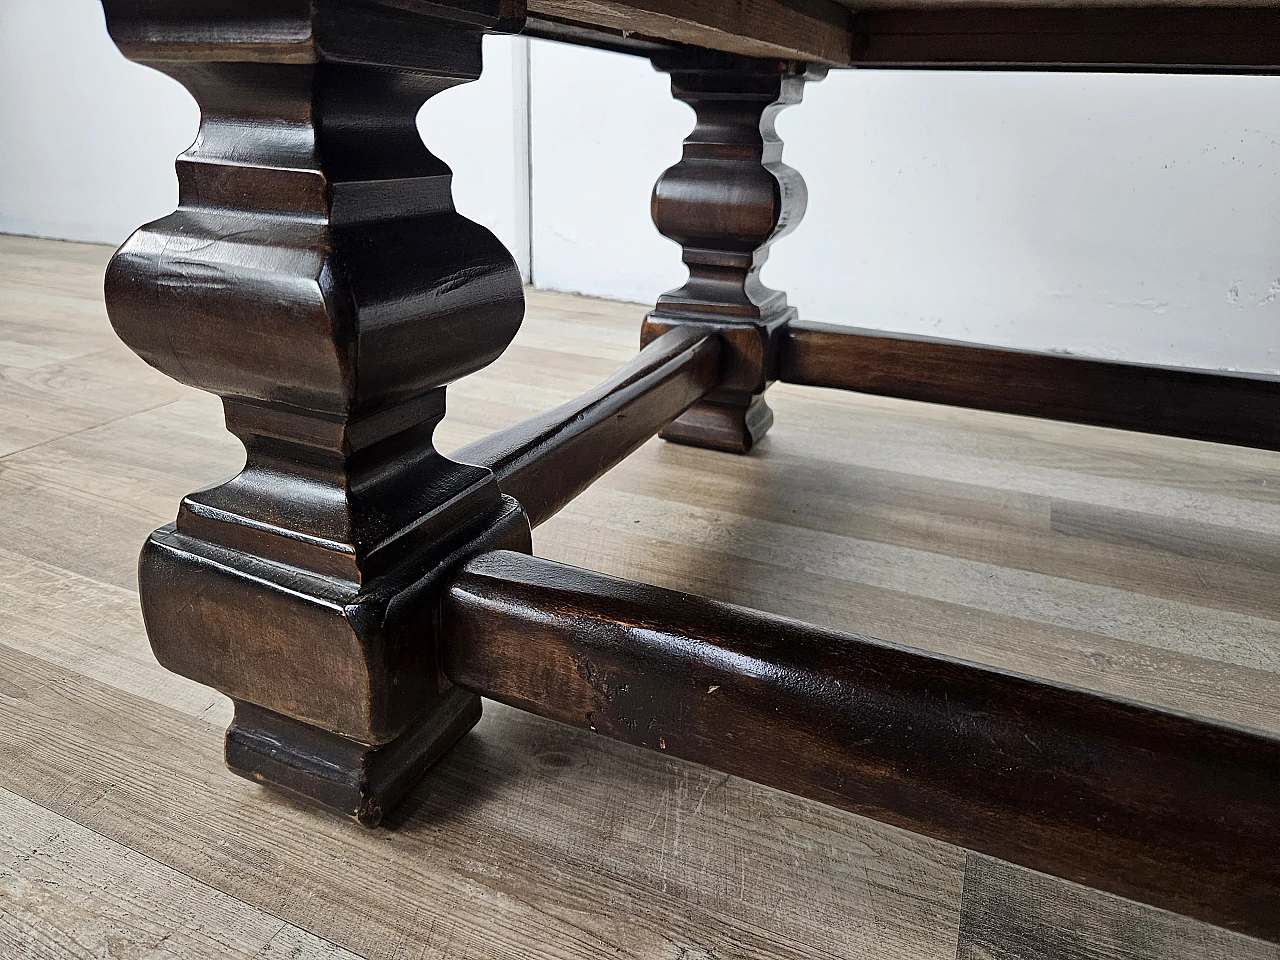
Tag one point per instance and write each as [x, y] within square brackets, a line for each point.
[730, 426]
[352, 778]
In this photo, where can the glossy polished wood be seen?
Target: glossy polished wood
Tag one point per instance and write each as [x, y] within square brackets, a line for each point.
[1151, 804]
[547, 460]
[1174, 401]
[727, 200]
[317, 278]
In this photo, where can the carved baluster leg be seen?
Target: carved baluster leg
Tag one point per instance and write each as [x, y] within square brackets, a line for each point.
[725, 203]
[317, 277]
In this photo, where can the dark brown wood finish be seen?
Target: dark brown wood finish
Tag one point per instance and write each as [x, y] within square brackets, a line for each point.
[547, 460]
[810, 30]
[318, 279]
[1199, 37]
[1148, 803]
[593, 35]
[725, 203]
[1242, 409]
[1171, 37]
[94, 731]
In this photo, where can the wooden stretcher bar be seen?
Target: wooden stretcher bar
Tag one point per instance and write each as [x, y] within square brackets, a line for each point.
[1242, 409]
[547, 460]
[1145, 802]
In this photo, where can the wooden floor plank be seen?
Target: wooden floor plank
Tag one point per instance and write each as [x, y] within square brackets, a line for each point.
[856, 444]
[1077, 657]
[486, 861]
[1090, 450]
[67, 892]
[92, 629]
[118, 481]
[1230, 571]
[1013, 914]
[55, 251]
[1238, 638]
[61, 368]
[1184, 537]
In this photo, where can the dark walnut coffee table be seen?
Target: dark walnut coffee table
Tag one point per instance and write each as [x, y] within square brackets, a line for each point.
[356, 593]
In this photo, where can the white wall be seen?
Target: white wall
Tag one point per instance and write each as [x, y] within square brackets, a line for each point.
[481, 130]
[1128, 217]
[604, 127]
[88, 139]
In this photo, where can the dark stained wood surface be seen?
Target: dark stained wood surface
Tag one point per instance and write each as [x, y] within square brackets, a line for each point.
[1241, 409]
[1083, 35]
[727, 200]
[1218, 36]
[317, 277]
[1151, 804]
[547, 460]
[812, 30]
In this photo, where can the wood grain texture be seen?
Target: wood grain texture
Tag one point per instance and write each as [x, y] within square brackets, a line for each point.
[1214, 36]
[1013, 915]
[318, 279]
[727, 200]
[67, 892]
[810, 30]
[1153, 805]
[478, 866]
[535, 840]
[1195, 404]
[546, 461]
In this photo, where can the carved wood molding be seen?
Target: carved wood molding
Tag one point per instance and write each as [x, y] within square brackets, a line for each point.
[726, 202]
[317, 277]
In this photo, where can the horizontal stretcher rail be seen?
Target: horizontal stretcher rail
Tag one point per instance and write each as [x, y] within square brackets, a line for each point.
[1165, 808]
[1241, 409]
[547, 460]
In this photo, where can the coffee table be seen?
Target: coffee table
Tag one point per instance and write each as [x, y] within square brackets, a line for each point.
[356, 593]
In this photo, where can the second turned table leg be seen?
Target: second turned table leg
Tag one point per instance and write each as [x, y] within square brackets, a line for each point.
[725, 203]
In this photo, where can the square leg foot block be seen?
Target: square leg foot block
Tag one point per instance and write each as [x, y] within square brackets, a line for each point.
[356, 779]
[734, 427]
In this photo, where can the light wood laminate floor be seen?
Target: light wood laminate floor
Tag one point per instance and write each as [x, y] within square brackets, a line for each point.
[1140, 566]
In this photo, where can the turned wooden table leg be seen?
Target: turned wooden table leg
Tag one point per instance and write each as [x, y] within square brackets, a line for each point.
[317, 277]
[725, 203]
